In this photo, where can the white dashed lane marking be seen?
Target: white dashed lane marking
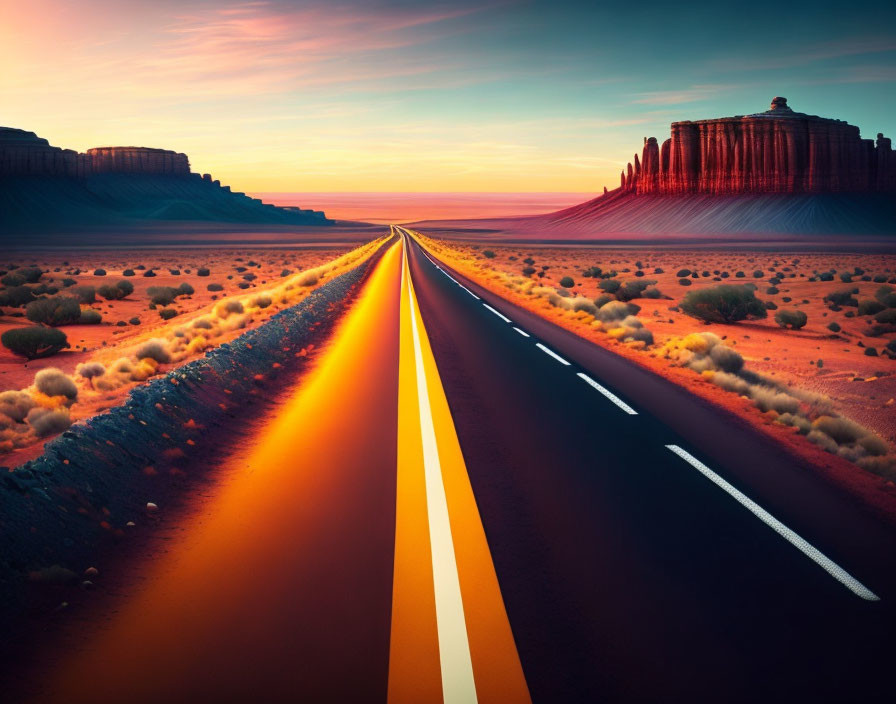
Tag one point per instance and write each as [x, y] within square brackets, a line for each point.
[500, 315]
[828, 565]
[609, 394]
[552, 353]
[521, 332]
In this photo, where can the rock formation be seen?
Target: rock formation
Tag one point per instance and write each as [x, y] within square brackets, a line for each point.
[137, 160]
[776, 151]
[43, 186]
[24, 153]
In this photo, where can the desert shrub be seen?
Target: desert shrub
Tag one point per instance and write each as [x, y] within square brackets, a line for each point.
[128, 272]
[528, 270]
[723, 304]
[68, 282]
[13, 280]
[99, 272]
[309, 278]
[149, 273]
[226, 308]
[287, 272]
[771, 305]
[886, 317]
[826, 276]
[249, 277]
[616, 310]
[633, 289]
[842, 298]
[47, 421]
[167, 313]
[609, 285]
[84, 294]
[652, 292]
[727, 359]
[846, 276]
[90, 370]
[768, 399]
[583, 304]
[154, 349]
[243, 285]
[488, 254]
[55, 382]
[793, 319]
[684, 282]
[840, 430]
[112, 293]
[886, 295]
[34, 342]
[90, 317]
[758, 274]
[834, 327]
[31, 274]
[567, 282]
[55, 311]
[772, 290]
[16, 296]
[174, 272]
[162, 295]
[683, 273]
[134, 321]
[214, 287]
[185, 289]
[869, 307]
[262, 301]
[871, 352]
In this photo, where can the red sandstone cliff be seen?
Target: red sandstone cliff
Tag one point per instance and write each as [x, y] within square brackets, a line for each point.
[776, 151]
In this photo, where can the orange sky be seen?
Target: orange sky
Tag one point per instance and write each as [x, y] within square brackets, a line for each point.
[400, 95]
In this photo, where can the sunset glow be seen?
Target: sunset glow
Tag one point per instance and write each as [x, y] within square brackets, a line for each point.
[402, 96]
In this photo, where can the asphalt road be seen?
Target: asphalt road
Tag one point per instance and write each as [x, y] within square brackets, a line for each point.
[629, 574]
[464, 502]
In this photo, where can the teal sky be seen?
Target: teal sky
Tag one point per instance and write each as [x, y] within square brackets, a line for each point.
[415, 96]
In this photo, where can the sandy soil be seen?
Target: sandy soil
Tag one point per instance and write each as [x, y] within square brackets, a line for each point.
[814, 358]
[129, 322]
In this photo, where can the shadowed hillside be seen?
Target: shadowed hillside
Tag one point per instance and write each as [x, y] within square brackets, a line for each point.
[44, 188]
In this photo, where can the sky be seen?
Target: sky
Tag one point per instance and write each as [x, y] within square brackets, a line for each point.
[393, 95]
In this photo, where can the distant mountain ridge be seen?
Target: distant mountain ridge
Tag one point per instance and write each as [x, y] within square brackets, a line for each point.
[43, 187]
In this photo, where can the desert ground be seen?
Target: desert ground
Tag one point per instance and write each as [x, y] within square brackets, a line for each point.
[844, 355]
[203, 297]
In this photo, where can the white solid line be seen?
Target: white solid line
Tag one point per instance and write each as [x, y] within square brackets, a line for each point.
[458, 684]
[828, 565]
[500, 315]
[552, 353]
[521, 332]
[609, 394]
[468, 291]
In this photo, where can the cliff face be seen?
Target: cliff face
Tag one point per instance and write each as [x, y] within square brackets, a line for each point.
[25, 154]
[776, 151]
[137, 160]
[44, 187]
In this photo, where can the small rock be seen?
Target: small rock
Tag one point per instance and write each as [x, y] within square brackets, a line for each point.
[151, 507]
[86, 585]
[91, 572]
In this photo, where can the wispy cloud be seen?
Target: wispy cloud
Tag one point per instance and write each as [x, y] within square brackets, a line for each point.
[810, 53]
[678, 97]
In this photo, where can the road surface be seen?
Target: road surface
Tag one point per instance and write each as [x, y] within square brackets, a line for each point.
[463, 502]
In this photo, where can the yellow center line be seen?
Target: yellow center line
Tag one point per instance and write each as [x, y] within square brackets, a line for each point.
[477, 657]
